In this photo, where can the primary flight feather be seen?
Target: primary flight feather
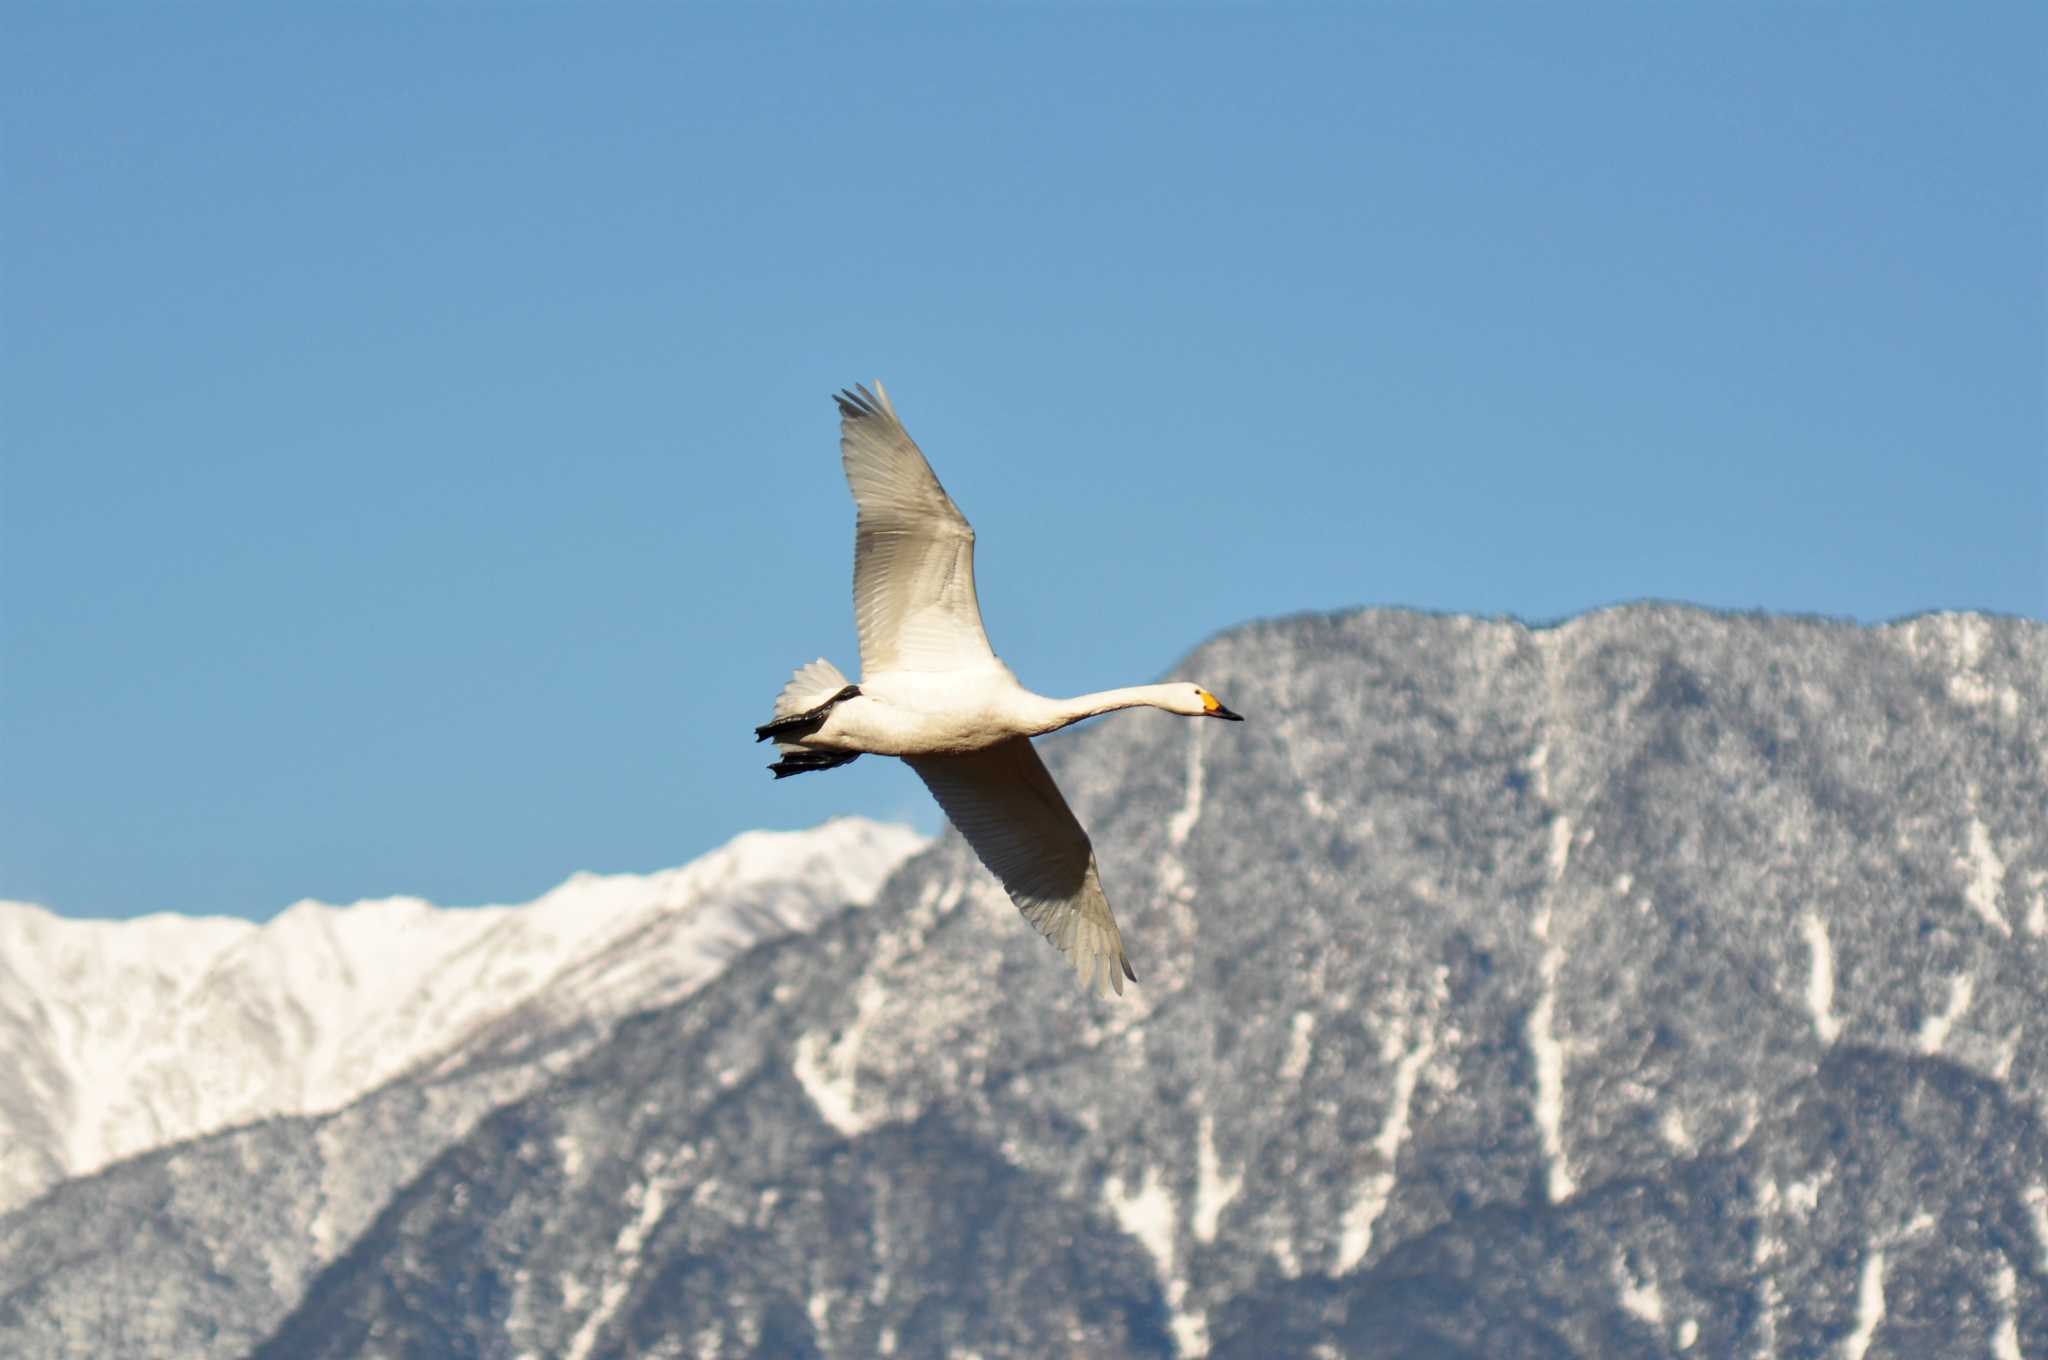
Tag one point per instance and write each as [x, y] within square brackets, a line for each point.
[933, 692]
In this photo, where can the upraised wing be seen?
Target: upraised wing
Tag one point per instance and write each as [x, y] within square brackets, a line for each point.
[913, 552]
[1006, 805]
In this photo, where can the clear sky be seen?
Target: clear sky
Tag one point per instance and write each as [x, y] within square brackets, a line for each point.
[420, 471]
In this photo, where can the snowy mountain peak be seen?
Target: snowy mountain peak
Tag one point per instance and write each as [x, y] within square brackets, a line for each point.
[119, 1036]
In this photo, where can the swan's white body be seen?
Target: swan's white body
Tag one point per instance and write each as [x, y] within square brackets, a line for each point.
[933, 692]
[951, 713]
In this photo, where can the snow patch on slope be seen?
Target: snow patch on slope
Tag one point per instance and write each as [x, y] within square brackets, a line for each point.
[1820, 979]
[1639, 1294]
[2005, 1341]
[827, 1067]
[1962, 989]
[1544, 1046]
[2035, 1197]
[1370, 1201]
[1213, 1190]
[1869, 1306]
[1148, 1212]
[1987, 874]
[1546, 1051]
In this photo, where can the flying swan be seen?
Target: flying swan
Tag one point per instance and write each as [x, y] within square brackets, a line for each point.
[932, 692]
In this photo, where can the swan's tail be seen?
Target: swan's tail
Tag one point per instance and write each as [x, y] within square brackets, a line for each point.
[803, 703]
[807, 695]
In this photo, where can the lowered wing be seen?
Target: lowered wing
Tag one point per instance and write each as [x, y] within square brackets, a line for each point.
[1006, 805]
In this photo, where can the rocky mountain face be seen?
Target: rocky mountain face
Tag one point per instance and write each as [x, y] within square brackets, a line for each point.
[1662, 983]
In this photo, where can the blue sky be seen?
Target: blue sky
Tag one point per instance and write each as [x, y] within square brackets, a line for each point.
[420, 471]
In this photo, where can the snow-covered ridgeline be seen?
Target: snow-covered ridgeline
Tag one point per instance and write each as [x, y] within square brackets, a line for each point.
[120, 1036]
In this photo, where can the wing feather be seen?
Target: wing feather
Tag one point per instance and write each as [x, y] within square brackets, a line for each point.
[1005, 803]
[913, 558]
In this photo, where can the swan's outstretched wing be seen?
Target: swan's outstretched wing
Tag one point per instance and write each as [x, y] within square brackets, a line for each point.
[1006, 805]
[913, 552]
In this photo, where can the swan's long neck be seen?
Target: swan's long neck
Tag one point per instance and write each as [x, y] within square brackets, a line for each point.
[1060, 713]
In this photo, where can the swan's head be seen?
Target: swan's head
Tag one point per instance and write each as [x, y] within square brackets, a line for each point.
[1196, 702]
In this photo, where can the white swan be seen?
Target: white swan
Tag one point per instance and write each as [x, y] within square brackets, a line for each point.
[932, 691]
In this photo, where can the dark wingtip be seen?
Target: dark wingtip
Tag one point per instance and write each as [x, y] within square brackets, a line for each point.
[856, 403]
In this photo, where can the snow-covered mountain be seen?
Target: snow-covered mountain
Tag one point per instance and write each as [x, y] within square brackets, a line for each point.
[118, 1037]
[1662, 983]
